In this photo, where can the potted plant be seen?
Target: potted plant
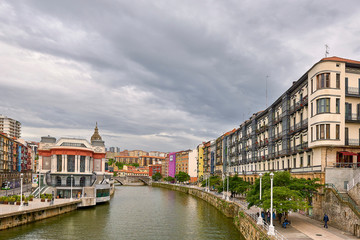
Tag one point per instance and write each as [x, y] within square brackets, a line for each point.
[12, 200]
[6, 200]
[2, 199]
[49, 197]
[31, 197]
[26, 201]
[42, 196]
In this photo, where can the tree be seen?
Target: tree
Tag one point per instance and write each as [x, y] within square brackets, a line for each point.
[111, 161]
[288, 193]
[236, 185]
[157, 176]
[214, 182]
[119, 165]
[134, 164]
[182, 177]
[169, 179]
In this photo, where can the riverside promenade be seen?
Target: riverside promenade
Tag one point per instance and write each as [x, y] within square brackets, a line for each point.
[15, 215]
[301, 228]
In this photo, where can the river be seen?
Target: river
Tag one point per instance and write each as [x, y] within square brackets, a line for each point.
[135, 213]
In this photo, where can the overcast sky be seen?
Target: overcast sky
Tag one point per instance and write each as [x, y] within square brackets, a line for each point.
[159, 75]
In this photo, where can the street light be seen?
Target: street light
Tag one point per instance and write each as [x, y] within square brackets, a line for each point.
[21, 183]
[260, 219]
[227, 187]
[223, 176]
[271, 227]
[71, 179]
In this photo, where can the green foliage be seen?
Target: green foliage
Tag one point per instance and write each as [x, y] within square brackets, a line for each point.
[119, 165]
[115, 174]
[182, 177]
[134, 164]
[288, 193]
[215, 182]
[157, 176]
[111, 161]
[169, 179]
[236, 185]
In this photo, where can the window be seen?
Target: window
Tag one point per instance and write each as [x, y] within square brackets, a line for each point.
[312, 88]
[82, 163]
[58, 181]
[309, 160]
[323, 80]
[327, 131]
[59, 163]
[312, 139]
[323, 105]
[322, 131]
[338, 80]
[301, 161]
[312, 113]
[337, 131]
[70, 163]
[294, 163]
[338, 105]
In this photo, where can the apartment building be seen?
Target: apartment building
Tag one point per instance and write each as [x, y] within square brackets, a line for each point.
[311, 128]
[10, 127]
[182, 161]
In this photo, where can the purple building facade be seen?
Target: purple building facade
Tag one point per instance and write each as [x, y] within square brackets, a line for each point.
[172, 164]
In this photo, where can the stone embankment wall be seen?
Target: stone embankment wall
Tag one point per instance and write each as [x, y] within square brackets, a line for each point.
[354, 193]
[341, 214]
[247, 227]
[27, 216]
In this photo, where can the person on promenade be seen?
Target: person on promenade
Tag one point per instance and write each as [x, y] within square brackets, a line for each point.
[268, 216]
[263, 215]
[326, 219]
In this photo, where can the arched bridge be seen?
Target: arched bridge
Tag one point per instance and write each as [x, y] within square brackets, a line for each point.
[129, 180]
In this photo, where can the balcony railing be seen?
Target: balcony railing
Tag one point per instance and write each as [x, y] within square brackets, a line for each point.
[352, 117]
[352, 142]
[352, 91]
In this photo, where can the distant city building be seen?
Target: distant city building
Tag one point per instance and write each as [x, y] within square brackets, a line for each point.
[15, 158]
[34, 155]
[150, 160]
[10, 126]
[182, 161]
[165, 166]
[156, 168]
[172, 164]
[192, 169]
[138, 153]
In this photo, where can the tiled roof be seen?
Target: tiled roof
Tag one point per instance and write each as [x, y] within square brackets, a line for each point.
[340, 60]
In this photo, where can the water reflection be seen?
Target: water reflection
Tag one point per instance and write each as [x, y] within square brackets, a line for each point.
[135, 213]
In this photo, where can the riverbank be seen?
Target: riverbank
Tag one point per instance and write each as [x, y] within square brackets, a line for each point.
[14, 215]
[243, 222]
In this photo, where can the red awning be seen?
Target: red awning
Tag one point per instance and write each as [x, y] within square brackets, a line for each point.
[348, 153]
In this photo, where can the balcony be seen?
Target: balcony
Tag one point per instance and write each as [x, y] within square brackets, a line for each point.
[352, 92]
[299, 148]
[298, 126]
[352, 118]
[352, 142]
[278, 136]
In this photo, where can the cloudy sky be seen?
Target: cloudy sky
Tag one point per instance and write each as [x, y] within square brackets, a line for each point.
[163, 74]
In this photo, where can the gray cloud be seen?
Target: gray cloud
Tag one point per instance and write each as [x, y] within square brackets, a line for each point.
[159, 75]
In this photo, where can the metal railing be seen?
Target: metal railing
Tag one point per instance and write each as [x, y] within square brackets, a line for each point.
[345, 198]
[352, 142]
[352, 117]
[352, 91]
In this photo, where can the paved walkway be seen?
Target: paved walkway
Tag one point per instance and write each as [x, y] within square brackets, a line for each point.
[35, 204]
[302, 227]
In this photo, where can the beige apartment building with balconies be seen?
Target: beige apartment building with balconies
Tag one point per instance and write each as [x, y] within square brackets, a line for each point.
[10, 126]
[311, 130]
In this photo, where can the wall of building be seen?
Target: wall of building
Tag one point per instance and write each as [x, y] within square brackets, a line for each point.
[172, 164]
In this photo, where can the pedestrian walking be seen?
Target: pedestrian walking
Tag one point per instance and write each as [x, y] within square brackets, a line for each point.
[326, 219]
[268, 216]
[263, 215]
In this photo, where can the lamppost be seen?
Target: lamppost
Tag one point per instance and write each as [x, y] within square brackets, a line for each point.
[271, 227]
[260, 220]
[71, 179]
[21, 183]
[223, 176]
[227, 187]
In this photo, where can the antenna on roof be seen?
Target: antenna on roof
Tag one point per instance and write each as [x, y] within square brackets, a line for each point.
[327, 48]
[266, 92]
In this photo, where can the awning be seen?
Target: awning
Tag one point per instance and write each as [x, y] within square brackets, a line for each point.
[348, 153]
